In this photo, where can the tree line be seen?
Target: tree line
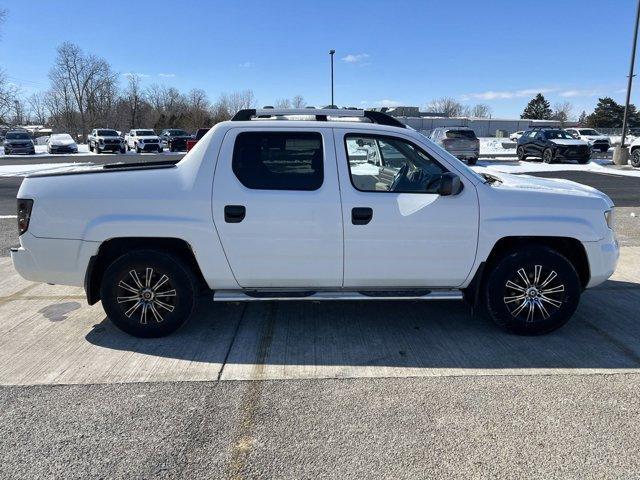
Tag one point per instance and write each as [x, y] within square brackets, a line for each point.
[607, 113]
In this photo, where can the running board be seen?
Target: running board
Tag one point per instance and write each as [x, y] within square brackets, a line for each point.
[253, 296]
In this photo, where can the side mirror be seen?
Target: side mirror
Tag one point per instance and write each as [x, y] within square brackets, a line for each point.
[449, 184]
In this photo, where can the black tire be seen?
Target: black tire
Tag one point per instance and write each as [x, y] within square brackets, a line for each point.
[123, 296]
[472, 161]
[547, 155]
[123, 150]
[634, 159]
[604, 149]
[584, 161]
[138, 149]
[521, 153]
[90, 147]
[171, 149]
[558, 294]
[159, 149]
[97, 150]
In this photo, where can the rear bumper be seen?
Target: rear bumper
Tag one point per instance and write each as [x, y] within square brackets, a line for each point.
[15, 150]
[53, 260]
[603, 258]
[465, 154]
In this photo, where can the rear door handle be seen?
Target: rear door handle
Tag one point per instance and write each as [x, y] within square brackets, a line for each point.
[361, 215]
[234, 213]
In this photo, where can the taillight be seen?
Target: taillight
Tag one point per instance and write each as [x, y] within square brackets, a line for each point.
[25, 205]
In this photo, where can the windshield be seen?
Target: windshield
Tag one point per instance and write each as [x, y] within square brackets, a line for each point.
[558, 134]
[61, 136]
[467, 134]
[18, 136]
[177, 133]
[589, 131]
[107, 133]
[145, 133]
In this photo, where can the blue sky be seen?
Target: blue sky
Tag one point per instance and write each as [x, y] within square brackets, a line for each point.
[402, 52]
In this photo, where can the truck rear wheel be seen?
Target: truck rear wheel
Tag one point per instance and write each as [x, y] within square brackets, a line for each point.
[532, 291]
[148, 293]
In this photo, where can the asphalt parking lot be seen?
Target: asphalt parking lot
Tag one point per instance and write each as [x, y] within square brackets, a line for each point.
[331, 390]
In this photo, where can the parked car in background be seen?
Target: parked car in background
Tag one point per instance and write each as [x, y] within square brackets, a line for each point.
[199, 134]
[634, 150]
[18, 141]
[174, 139]
[516, 135]
[105, 140]
[337, 209]
[61, 143]
[143, 140]
[459, 141]
[552, 144]
[595, 139]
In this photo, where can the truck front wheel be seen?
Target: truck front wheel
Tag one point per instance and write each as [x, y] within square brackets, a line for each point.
[532, 290]
[148, 293]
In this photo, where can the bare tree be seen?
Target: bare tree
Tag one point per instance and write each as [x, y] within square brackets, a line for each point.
[298, 102]
[480, 110]
[88, 79]
[240, 100]
[198, 113]
[38, 110]
[133, 99]
[283, 103]
[8, 97]
[562, 112]
[446, 106]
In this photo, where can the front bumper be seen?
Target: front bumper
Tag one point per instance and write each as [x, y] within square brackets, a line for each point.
[568, 154]
[63, 149]
[9, 150]
[603, 258]
[149, 147]
[53, 260]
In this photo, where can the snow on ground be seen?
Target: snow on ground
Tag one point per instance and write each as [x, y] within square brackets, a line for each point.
[493, 146]
[595, 166]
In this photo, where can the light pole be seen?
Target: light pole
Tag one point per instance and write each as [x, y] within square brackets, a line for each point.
[332, 53]
[621, 155]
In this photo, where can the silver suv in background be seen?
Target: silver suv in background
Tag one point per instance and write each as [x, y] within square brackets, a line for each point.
[458, 141]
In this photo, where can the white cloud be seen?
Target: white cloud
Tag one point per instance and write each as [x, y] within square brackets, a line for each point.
[167, 75]
[355, 58]
[579, 93]
[246, 65]
[131, 74]
[506, 94]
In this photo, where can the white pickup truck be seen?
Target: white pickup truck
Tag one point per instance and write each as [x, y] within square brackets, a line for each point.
[143, 140]
[314, 205]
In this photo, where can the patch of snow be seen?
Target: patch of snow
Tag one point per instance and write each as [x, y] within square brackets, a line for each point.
[493, 146]
[594, 166]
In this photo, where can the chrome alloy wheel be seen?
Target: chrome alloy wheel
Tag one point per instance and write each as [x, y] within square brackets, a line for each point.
[535, 294]
[146, 295]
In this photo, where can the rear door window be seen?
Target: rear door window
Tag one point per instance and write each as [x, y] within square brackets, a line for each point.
[461, 134]
[279, 160]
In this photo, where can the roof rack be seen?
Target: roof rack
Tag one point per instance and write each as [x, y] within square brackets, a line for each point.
[545, 128]
[321, 114]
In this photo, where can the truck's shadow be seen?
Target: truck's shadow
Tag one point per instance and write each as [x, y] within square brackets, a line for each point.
[604, 333]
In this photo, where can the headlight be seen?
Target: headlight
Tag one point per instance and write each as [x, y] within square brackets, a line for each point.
[610, 218]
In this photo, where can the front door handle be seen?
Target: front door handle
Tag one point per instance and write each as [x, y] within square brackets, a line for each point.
[361, 215]
[234, 213]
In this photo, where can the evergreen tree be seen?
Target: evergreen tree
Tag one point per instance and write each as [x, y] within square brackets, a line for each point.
[607, 114]
[582, 119]
[610, 114]
[537, 109]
